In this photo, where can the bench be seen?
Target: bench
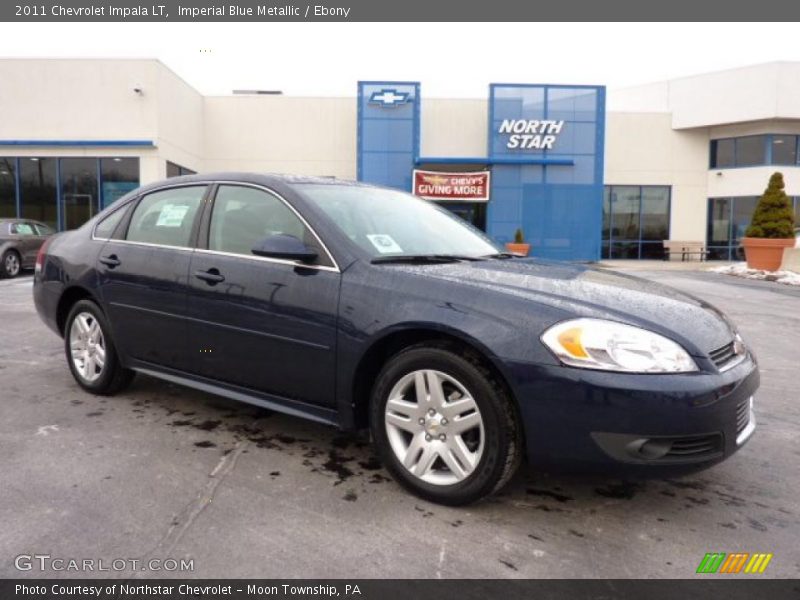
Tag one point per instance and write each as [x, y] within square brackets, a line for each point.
[672, 249]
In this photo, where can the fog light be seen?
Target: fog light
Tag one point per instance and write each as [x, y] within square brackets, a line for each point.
[649, 449]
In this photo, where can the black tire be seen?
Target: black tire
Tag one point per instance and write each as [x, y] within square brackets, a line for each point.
[503, 440]
[6, 270]
[113, 376]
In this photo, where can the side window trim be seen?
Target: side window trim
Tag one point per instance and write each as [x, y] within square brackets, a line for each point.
[204, 227]
[203, 239]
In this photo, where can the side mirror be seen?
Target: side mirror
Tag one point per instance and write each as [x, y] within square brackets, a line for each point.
[284, 246]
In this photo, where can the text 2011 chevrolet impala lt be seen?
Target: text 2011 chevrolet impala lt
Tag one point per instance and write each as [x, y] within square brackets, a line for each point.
[367, 307]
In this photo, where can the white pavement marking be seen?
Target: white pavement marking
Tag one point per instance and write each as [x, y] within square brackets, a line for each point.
[19, 361]
[441, 559]
[46, 429]
[15, 282]
[186, 518]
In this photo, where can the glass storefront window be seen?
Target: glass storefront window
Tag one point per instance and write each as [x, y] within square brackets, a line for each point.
[754, 150]
[719, 222]
[63, 192]
[174, 170]
[78, 190]
[796, 211]
[625, 201]
[784, 149]
[741, 213]
[728, 219]
[119, 176]
[635, 221]
[655, 208]
[750, 150]
[38, 193]
[723, 153]
[8, 188]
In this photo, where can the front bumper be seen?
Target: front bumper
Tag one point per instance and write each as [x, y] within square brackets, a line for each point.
[639, 424]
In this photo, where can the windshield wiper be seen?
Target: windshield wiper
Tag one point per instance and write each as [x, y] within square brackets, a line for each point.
[501, 255]
[424, 258]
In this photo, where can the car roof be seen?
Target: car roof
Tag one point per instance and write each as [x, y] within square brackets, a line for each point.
[266, 179]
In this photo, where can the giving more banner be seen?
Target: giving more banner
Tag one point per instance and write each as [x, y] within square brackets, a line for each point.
[464, 187]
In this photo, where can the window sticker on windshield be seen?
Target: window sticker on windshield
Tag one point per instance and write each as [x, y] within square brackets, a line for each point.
[172, 215]
[384, 243]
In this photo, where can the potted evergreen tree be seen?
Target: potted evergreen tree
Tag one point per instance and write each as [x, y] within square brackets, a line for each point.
[518, 246]
[771, 228]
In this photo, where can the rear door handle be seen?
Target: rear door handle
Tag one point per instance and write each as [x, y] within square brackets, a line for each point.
[211, 277]
[110, 261]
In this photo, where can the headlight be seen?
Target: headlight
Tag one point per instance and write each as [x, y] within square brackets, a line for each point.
[610, 346]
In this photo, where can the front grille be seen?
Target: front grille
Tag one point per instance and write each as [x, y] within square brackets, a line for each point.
[695, 446]
[722, 356]
[742, 416]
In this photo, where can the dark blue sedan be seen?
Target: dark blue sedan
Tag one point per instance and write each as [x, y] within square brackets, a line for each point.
[365, 307]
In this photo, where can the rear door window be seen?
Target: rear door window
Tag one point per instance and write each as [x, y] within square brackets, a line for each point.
[166, 218]
[22, 229]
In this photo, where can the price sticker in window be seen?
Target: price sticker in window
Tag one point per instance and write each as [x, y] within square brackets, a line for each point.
[172, 215]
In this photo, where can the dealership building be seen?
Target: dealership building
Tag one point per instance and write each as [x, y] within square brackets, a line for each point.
[585, 172]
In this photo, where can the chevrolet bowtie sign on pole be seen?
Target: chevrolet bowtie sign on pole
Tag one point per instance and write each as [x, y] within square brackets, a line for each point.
[389, 98]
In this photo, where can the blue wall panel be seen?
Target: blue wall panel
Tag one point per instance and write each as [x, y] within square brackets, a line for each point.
[388, 132]
[559, 207]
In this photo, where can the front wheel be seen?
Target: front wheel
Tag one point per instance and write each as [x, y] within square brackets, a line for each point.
[90, 350]
[444, 426]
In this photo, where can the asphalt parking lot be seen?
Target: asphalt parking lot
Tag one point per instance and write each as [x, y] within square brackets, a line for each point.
[165, 472]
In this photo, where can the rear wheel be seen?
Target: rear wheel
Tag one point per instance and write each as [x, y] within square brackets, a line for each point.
[10, 264]
[90, 350]
[445, 428]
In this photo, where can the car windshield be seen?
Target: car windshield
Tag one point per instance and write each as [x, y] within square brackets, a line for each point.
[391, 223]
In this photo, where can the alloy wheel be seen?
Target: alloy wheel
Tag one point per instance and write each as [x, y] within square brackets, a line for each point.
[12, 264]
[434, 427]
[87, 346]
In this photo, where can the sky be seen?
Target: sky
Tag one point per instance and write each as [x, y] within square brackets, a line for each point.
[449, 59]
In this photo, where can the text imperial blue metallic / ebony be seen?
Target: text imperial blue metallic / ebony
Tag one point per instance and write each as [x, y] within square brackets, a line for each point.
[365, 307]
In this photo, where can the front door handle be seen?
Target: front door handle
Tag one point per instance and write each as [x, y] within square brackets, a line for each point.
[211, 277]
[110, 261]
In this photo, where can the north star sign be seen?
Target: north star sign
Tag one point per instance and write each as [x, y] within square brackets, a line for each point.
[530, 134]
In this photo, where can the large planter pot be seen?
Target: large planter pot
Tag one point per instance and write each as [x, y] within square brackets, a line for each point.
[522, 249]
[765, 254]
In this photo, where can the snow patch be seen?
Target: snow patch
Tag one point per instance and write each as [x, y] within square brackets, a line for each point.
[741, 270]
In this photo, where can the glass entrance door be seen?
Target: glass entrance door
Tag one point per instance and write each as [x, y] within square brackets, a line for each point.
[471, 212]
[78, 190]
[77, 209]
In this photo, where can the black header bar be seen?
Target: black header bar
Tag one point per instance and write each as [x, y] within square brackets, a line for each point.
[709, 587]
[400, 10]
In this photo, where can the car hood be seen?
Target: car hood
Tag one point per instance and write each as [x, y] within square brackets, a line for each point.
[580, 290]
